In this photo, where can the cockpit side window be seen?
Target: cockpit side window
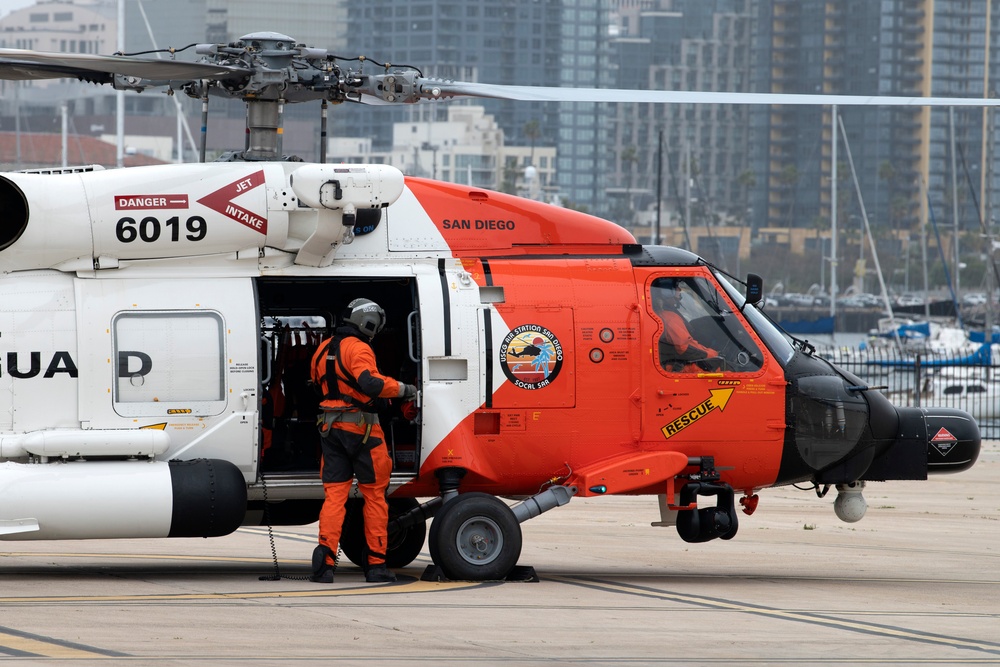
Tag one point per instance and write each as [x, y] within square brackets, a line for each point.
[700, 333]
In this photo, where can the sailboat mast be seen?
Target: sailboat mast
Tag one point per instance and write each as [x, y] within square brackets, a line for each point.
[954, 198]
[868, 232]
[985, 171]
[923, 258]
[833, 217]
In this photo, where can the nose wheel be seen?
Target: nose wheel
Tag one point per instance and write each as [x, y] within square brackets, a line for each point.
[475, 537]
[479, 541]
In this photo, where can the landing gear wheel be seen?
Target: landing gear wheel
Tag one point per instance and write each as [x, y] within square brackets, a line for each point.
[352, 535]
[732, 532]
[404, 545]
[475, 537]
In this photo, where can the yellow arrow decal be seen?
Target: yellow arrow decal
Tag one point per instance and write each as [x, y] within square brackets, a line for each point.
[718, 400]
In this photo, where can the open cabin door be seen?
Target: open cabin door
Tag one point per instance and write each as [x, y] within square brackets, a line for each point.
[295, 316]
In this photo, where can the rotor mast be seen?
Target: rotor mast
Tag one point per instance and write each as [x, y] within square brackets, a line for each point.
[274, 70]
[269, 57]
[264, 129]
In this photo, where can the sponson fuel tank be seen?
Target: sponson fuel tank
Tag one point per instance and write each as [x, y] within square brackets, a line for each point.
[121, 499]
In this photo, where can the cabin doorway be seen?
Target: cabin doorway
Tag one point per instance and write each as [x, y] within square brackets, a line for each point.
[296, 315]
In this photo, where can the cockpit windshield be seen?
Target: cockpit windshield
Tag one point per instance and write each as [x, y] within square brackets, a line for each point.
[700, 332]
[775, 339]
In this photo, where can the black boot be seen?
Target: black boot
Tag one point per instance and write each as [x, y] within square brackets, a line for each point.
[322, 571]
[378, 574]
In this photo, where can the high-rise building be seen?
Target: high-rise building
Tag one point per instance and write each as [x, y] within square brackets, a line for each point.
[510, 42]
[700, 45]
[902, 156]
[91, 27]
[317, 23]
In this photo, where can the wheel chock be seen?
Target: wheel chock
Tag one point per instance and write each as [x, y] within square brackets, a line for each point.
[519, 573]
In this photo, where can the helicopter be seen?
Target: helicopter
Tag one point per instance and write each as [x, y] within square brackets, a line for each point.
[156, 327]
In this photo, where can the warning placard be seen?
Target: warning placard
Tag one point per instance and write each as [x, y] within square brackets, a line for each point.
[221, 201]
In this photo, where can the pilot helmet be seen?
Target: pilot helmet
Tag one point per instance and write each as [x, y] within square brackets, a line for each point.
[669, 291]
[366, 315]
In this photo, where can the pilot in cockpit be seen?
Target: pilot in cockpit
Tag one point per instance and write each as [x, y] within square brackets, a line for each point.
[679, 351]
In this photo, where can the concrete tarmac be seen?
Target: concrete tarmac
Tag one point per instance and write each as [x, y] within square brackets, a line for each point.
[916, 582]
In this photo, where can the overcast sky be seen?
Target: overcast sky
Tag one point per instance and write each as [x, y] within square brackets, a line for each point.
[7, 6]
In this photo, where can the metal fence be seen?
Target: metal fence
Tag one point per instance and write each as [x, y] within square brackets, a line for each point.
[969, 382]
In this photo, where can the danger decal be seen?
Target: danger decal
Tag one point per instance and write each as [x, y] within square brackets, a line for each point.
[221, 201]
[145, 202]
[531, 356]
[716, 401]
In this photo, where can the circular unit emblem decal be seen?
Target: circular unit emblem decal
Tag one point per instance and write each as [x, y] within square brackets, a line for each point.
[531, 356]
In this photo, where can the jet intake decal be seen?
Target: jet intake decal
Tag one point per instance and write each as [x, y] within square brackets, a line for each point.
[221, 201]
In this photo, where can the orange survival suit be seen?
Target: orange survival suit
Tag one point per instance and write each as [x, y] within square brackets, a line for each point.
[679, 351]
[353, 441]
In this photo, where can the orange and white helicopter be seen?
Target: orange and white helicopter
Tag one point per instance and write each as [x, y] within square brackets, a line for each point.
[156, 325]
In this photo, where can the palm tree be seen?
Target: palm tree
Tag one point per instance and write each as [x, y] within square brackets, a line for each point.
[787, 178]
[628, 159]
[532, 130]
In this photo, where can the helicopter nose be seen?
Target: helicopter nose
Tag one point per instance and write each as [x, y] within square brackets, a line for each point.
[829, 425]
[845, 432]
[943, 440]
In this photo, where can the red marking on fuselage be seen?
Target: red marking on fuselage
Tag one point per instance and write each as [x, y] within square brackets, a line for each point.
[145, 202]
[221, 201]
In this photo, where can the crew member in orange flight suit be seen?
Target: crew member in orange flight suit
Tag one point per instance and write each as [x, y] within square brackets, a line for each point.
[679, 351]
[353, 441]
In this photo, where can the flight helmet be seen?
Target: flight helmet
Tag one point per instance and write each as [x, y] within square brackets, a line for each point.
[666, 293]
[366, 315]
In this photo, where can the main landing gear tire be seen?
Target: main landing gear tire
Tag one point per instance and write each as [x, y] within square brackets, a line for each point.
[475, 537]
[404, 544]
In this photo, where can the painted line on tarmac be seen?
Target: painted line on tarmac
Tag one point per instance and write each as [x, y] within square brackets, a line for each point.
[19, 644]
[295, 537]
[811, 618]
[404, 586]
[181, 557]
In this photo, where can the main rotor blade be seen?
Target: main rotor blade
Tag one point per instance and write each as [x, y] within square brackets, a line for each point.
[552, 94]
[19, 64]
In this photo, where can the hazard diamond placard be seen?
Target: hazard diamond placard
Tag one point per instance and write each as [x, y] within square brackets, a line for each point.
[944, 435]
